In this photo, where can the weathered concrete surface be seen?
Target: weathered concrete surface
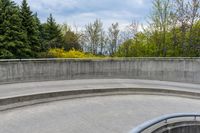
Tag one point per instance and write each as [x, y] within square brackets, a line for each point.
[111, 114]
[21, 89]
[105, 114]
[167, 69]
[22, 94]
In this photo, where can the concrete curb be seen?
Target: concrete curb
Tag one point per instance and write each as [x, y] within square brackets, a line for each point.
[27, 100]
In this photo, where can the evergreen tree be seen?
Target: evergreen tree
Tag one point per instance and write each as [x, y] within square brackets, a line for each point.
[12, 38]
[30, 27]
[40, 31]
[53, 35]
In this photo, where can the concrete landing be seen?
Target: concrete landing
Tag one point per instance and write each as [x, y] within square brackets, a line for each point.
[108, 114]
[23, 94]
[94, 114]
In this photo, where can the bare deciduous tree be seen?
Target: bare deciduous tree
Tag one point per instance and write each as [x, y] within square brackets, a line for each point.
[103, 43]
[133, 28]
[113, 35]
[130, 31]
[93, 35]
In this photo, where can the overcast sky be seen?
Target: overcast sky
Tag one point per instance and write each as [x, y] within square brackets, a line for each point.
[81, 12]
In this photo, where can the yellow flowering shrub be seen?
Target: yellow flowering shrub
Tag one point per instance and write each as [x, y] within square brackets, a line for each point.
[61, 53]
[56, 53]
[74, 54]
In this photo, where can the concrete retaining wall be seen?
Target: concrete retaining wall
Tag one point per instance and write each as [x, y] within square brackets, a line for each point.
[168, 69]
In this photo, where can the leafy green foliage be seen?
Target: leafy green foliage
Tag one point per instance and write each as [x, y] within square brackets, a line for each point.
[137, 47]
[70, 38]
[13, 40]
[143, 45]
[71, 41]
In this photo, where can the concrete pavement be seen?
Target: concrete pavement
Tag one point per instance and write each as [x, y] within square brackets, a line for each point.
[108, 114]
[22, 94]
[21, 89]
[94, 114]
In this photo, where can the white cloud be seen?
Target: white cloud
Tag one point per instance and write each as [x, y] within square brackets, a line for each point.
[141, 2]
[81, 12]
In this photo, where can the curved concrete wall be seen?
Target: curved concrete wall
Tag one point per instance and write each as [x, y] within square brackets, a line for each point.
[168, 69]
[180, 127]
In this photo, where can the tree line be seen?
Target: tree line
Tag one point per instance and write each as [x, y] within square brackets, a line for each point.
[22, 35]
[173, 29]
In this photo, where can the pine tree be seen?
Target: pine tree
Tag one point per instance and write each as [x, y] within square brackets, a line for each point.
[40, 31]
[53, 35]
[30, 27]
[12, 38]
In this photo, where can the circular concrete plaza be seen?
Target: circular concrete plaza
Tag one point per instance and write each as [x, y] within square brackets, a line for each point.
[115, 113]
